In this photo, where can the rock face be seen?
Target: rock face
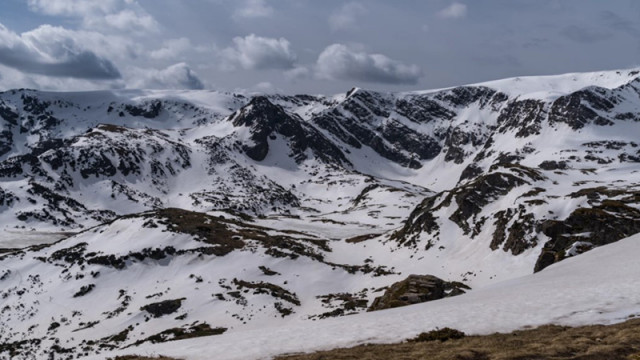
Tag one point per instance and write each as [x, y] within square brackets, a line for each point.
[162, 308]
[417, 289]
[608, 222]
[267, 121]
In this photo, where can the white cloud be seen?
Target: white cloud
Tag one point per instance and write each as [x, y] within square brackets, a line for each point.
[125, 20]
[345, 17]
[253, 9]
[339, 62]
[121, 15]
[177, 76]
[73, 7]
[52, 51]
[298, 72]
[171, 49]
[13, 79]
[265, 87]
[255, 52]
[50, 39]
[453, 11]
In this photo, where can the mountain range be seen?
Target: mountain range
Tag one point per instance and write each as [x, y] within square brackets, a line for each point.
[135, 217]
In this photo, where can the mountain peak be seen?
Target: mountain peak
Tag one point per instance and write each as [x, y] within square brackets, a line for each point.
[259, 112]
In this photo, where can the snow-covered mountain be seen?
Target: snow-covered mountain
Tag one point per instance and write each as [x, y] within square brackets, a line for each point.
[181, 212]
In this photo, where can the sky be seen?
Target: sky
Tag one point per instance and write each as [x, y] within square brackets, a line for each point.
[307, 46]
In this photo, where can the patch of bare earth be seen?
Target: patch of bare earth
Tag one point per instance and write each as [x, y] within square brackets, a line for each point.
[595, 342]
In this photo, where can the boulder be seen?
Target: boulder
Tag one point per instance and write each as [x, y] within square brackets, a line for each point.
[417, 289]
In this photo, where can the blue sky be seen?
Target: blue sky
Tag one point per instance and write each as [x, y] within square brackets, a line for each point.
[305, 46]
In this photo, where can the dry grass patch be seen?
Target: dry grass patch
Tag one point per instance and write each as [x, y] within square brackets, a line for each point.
[140, 357]
[596, 342]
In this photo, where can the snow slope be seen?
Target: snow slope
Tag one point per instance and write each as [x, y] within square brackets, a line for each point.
[599, 287]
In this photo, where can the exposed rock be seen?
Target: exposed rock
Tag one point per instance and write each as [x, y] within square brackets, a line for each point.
[266, 119]
[600, 225]
[470, 172]
[579, 108]
[553, 165]
[181, 333]
[456, 141]
[524, 117]
[421, 220]
[464, 95]
[417, 289]
[163, 307]
[421, 109]
[519, 236]
[472, 197]
[369, 123]
[148, 110]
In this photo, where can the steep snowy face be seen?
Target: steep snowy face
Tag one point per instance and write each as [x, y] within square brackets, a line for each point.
[207, 212]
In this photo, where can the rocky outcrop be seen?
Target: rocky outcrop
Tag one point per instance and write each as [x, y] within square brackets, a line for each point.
[267, 120]
[363, 119]
[581, 107]
[417, 289]
[524, 117]
[603, 224]
[162, 308]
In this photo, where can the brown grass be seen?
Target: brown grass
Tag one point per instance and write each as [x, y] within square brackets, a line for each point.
[596, 342]
[140, 357]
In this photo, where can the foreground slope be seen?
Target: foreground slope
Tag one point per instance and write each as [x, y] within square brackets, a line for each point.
[600, 286]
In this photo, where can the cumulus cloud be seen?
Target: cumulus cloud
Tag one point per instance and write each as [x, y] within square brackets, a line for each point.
[125, 20]
[73, 7]
[171, 49]
[453, 11]
[345, 17]
[122, 15]
[33, 52]
[52, 39]
[255, 52]
[253, 9]
[298, 72]
[339, 62]
[177, 76]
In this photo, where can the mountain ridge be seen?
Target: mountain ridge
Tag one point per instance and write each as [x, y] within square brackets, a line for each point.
[244, 209]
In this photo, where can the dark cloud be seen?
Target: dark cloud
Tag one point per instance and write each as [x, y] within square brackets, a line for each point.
[339, 62]
[584, 34]
[85, 65]
[63, 59]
